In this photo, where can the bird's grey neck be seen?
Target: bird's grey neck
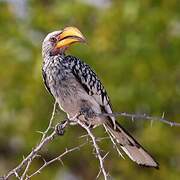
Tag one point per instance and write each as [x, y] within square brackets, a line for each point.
[49, 55]
[49, 58]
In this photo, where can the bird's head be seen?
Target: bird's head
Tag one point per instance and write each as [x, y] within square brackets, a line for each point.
[58, 41]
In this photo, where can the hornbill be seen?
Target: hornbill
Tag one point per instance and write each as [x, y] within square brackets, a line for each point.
[80, 94]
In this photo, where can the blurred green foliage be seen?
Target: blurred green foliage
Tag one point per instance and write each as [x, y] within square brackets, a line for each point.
[134, 46]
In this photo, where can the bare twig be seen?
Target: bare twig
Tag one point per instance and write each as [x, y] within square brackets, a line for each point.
[101, 159]
[58, 158]
[28, 160]
[50, 122]
[26, 170]
[31, 155]
[140, 117]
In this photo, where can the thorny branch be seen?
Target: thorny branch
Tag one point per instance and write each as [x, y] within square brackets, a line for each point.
[34, 153]
[25, 164]
[50, 122]
[134, 117]
[58, 158]
[101, 159]
[31, 156]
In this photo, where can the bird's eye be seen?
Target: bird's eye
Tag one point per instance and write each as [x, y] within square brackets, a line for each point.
[53, 39]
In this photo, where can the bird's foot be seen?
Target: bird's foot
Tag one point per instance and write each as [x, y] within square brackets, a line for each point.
[60, 127]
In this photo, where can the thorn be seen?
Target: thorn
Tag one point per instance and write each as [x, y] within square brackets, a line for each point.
[44, 160]
[163, 115]
[105, 156]
[98, 173]
[16, 174]
[86, 135]
[40, 132]
[38, 155]
[61, 161]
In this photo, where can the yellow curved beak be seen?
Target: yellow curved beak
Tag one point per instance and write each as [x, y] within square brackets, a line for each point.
[68, 36]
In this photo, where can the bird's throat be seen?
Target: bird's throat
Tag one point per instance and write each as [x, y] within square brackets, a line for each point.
[57, 51]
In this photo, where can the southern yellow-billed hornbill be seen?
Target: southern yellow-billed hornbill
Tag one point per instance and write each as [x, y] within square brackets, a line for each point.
[80, 93]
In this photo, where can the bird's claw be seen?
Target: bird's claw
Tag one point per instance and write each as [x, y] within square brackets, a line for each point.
[60, 128]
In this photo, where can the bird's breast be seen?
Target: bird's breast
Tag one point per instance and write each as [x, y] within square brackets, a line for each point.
[64, 87]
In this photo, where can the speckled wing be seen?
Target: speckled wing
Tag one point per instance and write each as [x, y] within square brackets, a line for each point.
[90, 82]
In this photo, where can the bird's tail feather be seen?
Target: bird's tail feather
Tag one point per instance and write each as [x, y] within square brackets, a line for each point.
[130, 146]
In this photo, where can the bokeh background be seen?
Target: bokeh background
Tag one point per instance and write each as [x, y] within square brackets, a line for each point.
[133, 45]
